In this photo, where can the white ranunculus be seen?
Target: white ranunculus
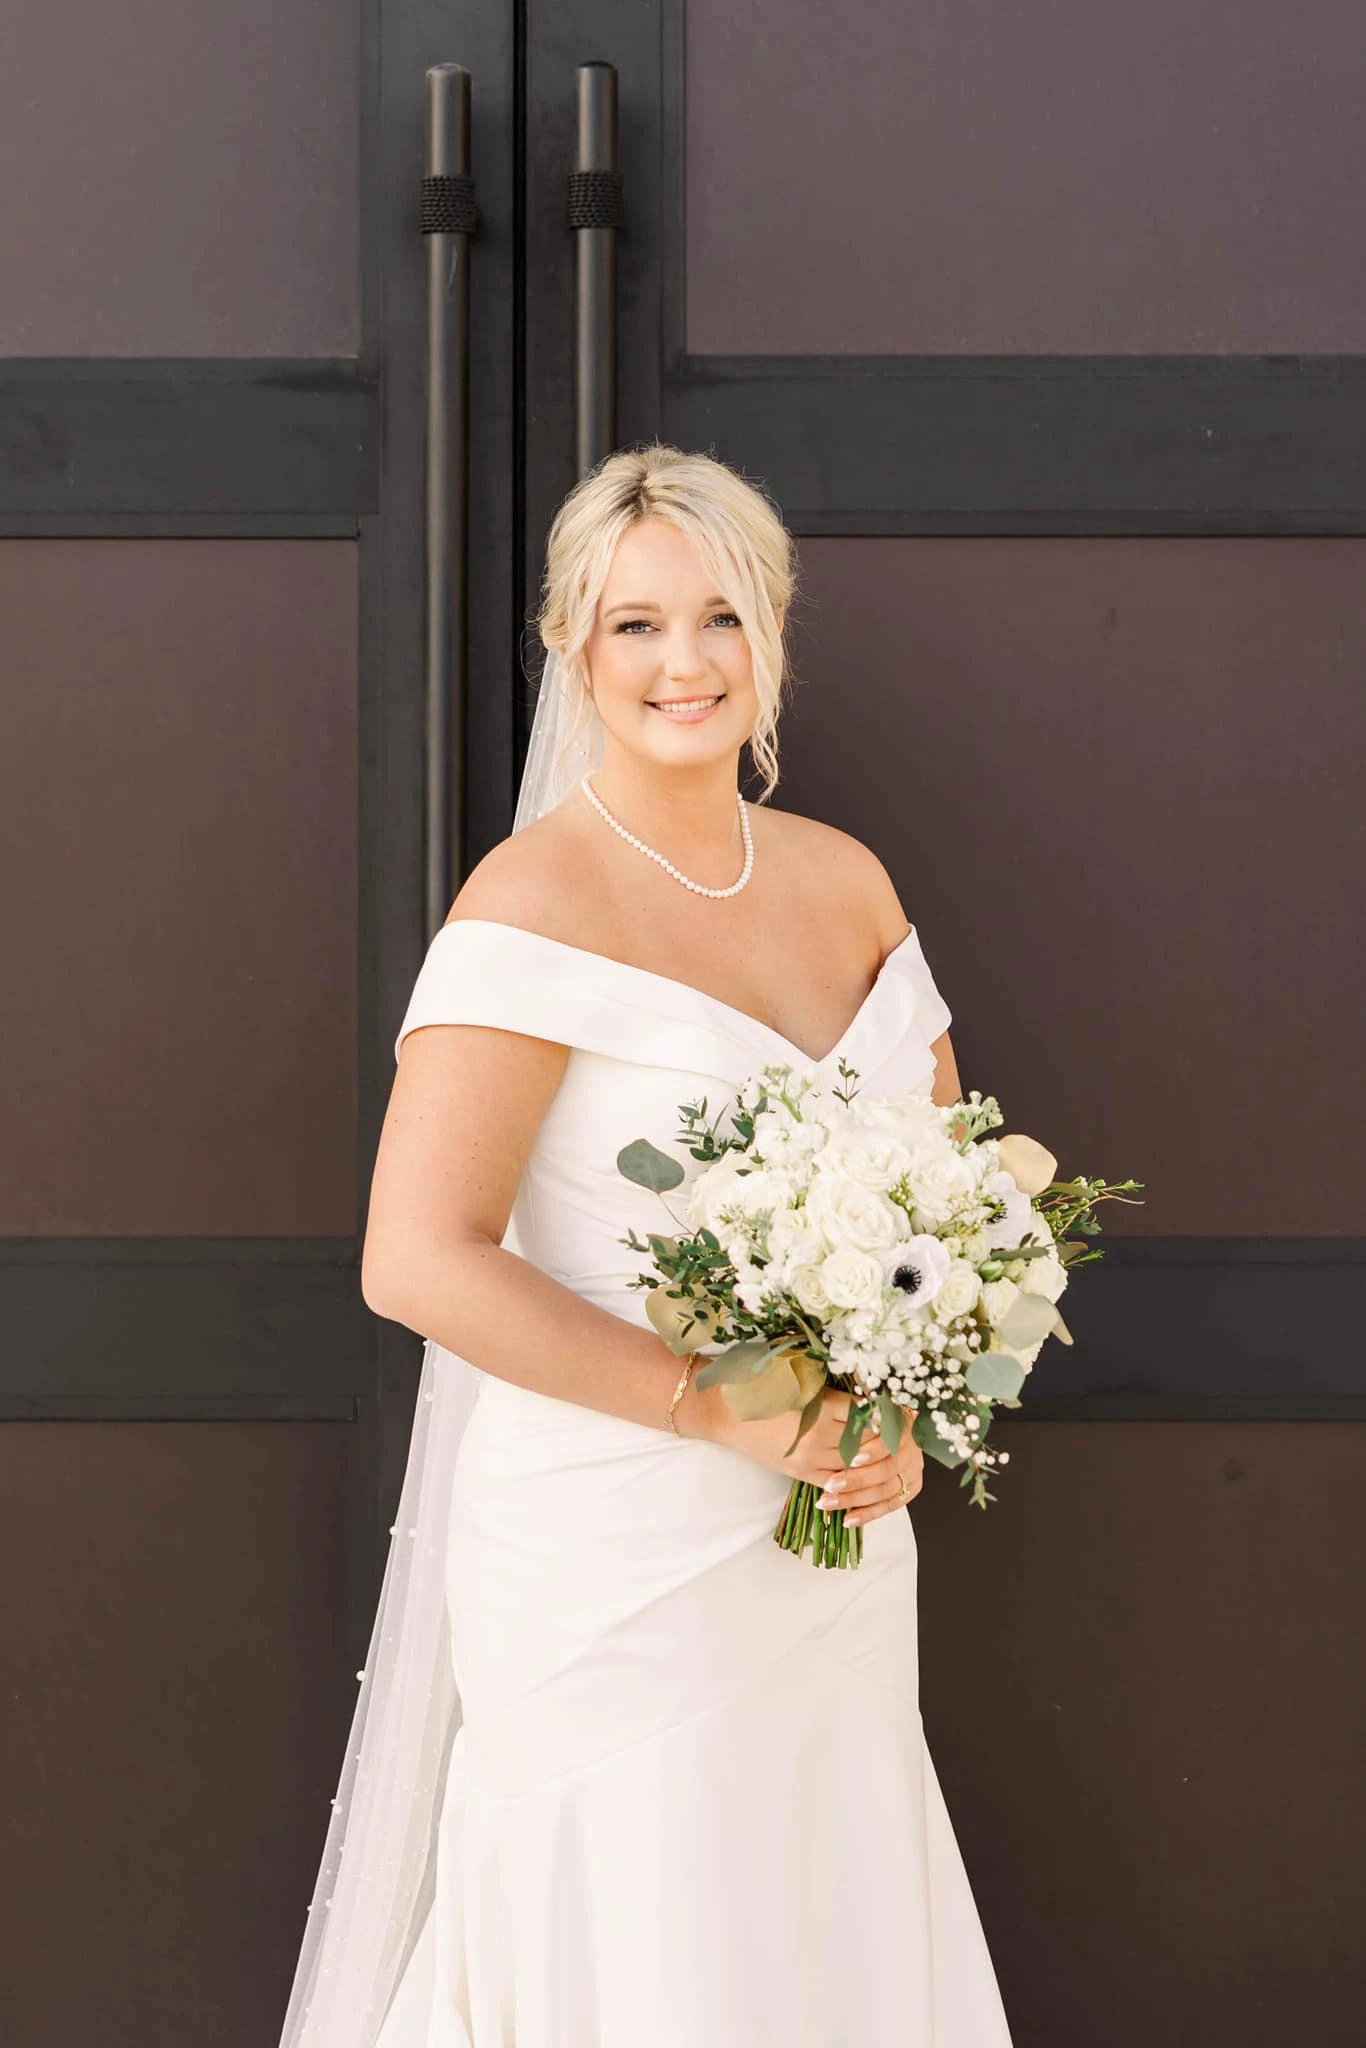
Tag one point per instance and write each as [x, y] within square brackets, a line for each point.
[938, 1179]
[998, 1298]
[874, 1158]
[852, 1278]
[958, 1291]
[847, 1214]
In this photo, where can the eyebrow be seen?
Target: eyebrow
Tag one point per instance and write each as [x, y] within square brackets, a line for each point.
[647, 607]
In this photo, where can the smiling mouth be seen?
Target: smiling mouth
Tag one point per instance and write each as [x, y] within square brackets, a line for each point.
[681, 704]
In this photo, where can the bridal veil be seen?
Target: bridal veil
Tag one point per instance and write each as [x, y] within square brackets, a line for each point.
[376, 1882]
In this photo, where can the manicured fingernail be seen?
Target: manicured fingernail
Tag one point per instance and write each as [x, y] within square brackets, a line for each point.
[852, 1521]
[861, 1459]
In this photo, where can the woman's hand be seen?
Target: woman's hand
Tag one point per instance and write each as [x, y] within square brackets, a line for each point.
[867, 1488]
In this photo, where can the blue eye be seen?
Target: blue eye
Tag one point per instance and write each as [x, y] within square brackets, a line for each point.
[629, 625]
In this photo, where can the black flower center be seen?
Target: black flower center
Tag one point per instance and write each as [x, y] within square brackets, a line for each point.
[907, 1277]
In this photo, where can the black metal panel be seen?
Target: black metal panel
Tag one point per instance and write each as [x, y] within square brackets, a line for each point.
[194, 437]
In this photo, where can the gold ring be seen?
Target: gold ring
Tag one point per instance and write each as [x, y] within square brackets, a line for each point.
[904, 1496]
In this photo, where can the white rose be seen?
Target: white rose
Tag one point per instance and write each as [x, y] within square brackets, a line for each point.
[998, 1298]
[1046, 1276]
[938, 1179]
[874, 1158]
[908, 1112]
[852, 1278]
[846, 1214]
[958, 1291]
[807, 1289]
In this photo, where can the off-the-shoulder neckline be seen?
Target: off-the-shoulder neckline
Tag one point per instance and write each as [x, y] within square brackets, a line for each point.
[629, 967]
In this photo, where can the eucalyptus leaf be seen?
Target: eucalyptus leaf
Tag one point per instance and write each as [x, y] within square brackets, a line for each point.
[1029, 1317]
[893, 1417]
[737, 1362]
[809, 1417]
[995, 1375]
[931, 1443]
[852, 1434]
[645, 1164]
[811, 1374]
[771, 1392]
[684, 1321]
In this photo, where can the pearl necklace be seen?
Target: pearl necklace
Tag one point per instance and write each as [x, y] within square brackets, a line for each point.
[698, 887]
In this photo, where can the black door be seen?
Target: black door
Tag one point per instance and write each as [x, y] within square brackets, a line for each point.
[1046, 332]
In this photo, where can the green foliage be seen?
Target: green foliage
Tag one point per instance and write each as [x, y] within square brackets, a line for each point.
[995, 1376]
[931, 1443]
[891, 1416]
[648, 1167]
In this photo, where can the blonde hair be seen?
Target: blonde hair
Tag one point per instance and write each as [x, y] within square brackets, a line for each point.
[738, 534]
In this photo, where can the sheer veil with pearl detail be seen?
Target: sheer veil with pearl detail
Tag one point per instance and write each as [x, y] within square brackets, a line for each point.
[376, 1882]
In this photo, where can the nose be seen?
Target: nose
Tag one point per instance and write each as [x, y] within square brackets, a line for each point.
[685, 654]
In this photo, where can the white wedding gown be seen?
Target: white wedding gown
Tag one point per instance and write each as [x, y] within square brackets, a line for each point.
[690, 1803]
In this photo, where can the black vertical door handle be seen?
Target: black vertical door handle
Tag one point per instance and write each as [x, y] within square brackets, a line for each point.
[448, 221]
[595, 216]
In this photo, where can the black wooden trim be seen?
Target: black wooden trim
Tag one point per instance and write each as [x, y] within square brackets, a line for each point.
[126, 1328]
[82, 1252]
[174, 1406]
[1143, 1254]
[888, 444]
[1209, 1327]
[179, 525]
[194, 435]
[1138, 444]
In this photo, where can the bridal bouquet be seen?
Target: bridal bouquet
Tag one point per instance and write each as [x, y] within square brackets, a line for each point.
[886, 1247]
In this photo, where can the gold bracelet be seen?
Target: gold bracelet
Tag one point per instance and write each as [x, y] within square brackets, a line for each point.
[678, 1391]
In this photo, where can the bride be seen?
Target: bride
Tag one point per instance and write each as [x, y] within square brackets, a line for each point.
[623, 1773]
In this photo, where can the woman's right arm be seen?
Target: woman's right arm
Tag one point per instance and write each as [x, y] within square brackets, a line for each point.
[466, 1105]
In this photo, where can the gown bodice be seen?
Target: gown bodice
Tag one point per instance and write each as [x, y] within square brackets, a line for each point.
[640, 1044]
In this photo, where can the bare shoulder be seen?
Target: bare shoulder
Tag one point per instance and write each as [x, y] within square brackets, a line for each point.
[534, 878]
[850, 870]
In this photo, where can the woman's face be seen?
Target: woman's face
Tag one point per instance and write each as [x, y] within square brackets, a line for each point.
[664, 635]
